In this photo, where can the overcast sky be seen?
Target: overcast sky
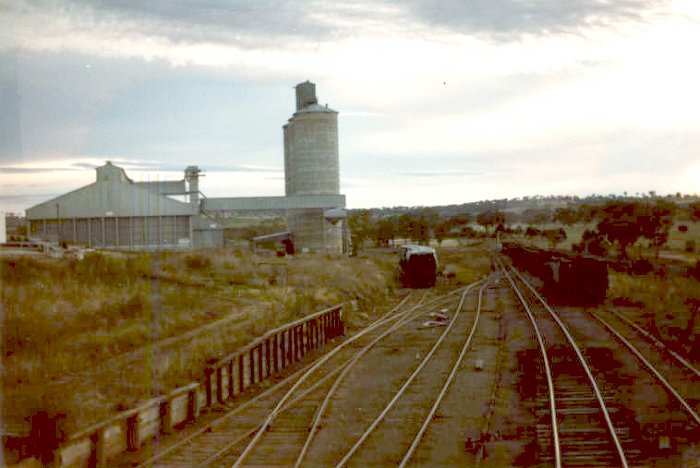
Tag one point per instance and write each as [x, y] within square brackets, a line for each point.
[440, 101]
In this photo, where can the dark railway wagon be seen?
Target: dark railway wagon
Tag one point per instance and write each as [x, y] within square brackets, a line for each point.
[417, 266]
[568, 278]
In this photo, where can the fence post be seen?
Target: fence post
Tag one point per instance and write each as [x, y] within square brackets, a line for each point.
[207, 384]
[219, 384]
[341, 324]
[251, 354]
[192, 405]
[283, 350]
[324, 327]
[260, 362]
[97, 453]
[231, 390]
[268, 365]
[241, 373]
[275, 350]
[300, 342]
[166, 422]
[132, 432]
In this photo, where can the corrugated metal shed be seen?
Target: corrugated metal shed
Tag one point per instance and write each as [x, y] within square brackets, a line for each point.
[112, 194]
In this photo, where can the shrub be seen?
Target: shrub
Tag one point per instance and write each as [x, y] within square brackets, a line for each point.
[197, 262]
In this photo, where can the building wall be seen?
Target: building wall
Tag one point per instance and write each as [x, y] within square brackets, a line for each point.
[310, 231]
[129, 232]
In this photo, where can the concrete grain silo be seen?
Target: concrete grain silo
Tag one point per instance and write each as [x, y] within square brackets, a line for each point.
[311, 168]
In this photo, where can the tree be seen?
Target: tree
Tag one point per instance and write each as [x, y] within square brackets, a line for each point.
[385, 231]
[586, 213]
[694, 211]
[490, 218]
[554, 236]
[592, 243]
[442, 230]
[538, 216]
[566, 216]
[657, 223]
[626, 222]
[414, 226]
[619, 223]
[360, 228]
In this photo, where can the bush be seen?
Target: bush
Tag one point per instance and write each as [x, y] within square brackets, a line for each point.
[641, 266]
[197, 262]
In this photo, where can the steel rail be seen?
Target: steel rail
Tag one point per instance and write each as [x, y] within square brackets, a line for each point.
[274, 413]
[548, 370]
[652, 369]
[428, 419]
[289, 405]
[217, 422]
[406, 384]
[316, 423]
[657, 343]
[594, 385]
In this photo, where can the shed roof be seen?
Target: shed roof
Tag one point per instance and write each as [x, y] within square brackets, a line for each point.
[112, 194]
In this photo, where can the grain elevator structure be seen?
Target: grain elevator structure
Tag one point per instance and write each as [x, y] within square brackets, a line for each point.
[311, 168]
[116, 212]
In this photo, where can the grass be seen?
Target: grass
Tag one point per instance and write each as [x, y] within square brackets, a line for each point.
[462, 266]
[660, 301]
[85, 336]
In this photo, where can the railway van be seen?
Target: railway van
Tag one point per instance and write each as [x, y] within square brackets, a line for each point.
[417, 266]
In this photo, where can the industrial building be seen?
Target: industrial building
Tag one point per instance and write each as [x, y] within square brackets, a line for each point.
[117, 212]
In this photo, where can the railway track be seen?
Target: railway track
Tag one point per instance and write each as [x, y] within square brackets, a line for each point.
[223, 440]
[298, 438]
[679, 378]
[648, 365]
[405, 418]
[576, 425]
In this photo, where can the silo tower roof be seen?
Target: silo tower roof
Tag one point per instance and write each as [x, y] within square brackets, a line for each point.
[315, 108]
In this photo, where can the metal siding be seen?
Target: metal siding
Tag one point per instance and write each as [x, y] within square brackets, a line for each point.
[96, 232]
[123, 231]
[152, 230]
[111, 232]
[167, 228]
[274, 203]
[182, 228]
[138, 231]
[81, 228]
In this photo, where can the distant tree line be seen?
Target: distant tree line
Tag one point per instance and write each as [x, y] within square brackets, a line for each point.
[618, 224]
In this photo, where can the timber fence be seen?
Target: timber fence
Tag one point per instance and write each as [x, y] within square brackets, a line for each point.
[223, 380]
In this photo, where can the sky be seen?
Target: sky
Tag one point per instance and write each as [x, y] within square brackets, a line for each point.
[439, 102]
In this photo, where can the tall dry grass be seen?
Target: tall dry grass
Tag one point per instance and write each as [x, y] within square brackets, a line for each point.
[84, 337]
[663, 305]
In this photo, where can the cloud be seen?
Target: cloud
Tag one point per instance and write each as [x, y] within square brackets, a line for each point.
[501, 19]
[34, 170]
[221, 32]
[455, 173]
